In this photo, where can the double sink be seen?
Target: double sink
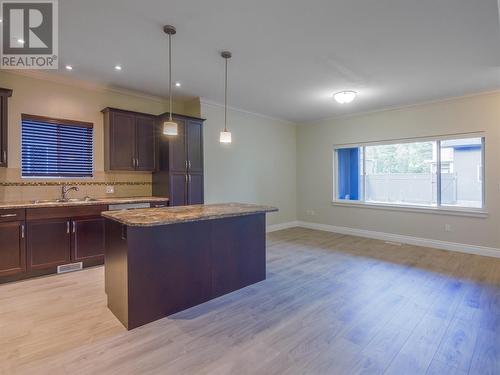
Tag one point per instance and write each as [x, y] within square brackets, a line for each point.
[69, 200]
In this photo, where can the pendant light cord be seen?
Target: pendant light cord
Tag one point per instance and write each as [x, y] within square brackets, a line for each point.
[225, 101]
[170, 74]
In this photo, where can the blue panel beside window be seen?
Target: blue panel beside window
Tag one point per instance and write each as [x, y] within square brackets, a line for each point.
[348, 173]
[51, 149]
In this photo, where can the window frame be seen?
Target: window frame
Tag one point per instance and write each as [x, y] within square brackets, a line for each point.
[64, 122]
[438, 208]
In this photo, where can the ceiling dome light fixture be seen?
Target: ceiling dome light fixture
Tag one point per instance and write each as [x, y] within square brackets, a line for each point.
[169, 127]
[345, 97]
[225, 135]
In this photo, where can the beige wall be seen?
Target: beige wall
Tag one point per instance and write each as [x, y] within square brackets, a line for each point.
[315, 168]
[76, 101]
[257, 167]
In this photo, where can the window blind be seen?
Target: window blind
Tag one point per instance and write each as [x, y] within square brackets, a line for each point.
[55, 149]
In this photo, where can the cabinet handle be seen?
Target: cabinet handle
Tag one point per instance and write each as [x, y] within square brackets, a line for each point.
[186, 177]
[22, 230]
[8, 215]
[189, 164]
[4, 156]
[67, 227]
[186, 163]
[74, 227]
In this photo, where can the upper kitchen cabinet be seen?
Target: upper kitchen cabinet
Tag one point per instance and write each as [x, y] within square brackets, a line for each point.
[180, 172]
[4, 97]
[130, 140]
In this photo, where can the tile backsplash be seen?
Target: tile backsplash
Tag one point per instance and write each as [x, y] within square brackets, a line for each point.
[14, 188]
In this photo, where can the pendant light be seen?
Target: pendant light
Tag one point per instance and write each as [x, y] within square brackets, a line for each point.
[169, 127]
[225, 136]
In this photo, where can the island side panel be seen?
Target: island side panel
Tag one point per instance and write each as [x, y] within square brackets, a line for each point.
[169, 269]
[115, 270]
[238, 253]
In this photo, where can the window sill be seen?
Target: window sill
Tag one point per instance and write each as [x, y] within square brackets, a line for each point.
[419, 209]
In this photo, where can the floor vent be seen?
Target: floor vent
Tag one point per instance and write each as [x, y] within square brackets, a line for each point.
[70, 267]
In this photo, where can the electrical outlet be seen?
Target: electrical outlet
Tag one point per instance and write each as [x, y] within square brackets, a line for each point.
[110, 189]
[447, 228]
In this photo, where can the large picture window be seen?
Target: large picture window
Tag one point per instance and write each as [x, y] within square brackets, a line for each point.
[56, 148]
[445, 172]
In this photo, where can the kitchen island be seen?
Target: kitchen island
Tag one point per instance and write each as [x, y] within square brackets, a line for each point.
[160, 261]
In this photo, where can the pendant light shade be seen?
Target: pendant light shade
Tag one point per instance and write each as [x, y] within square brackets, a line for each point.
[225, 135]
[170, 127]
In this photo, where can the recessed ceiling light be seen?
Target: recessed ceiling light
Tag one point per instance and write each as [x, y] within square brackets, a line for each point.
[118, 67]
[69, 67]
[20, 41]
[345, 97]
[177, 84]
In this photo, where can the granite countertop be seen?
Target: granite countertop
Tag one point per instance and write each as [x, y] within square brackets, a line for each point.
[147, 217]
[94, 202]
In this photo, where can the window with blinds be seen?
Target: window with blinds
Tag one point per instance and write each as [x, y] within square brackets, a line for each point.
[56, 148]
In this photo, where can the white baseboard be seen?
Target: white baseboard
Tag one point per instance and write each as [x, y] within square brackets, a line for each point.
[418, 241]
[275, 227]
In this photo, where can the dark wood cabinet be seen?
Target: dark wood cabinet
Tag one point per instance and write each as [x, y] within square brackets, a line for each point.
[4, 97]
[12, 248]
[180, 174]
[49, 243]
[178, 189]
[177, 148]
[62, 235]
[145, 135]
[130, 140]
[194, 145]
[87, 239]
[195, 189]
[121, 141]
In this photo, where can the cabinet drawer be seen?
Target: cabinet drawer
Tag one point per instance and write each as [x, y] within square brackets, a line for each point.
[63, 212]
[11, 215]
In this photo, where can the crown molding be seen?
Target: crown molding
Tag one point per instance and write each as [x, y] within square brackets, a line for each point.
[244, 111]
[90, 85]
[399, 107]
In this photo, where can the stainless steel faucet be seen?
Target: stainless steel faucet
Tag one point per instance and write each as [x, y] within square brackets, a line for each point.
[65, 190]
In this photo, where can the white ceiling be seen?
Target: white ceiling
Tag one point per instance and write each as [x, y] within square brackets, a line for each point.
[289, 56]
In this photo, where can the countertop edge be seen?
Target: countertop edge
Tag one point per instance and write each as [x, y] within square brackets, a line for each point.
[110, 216]
[99, 202]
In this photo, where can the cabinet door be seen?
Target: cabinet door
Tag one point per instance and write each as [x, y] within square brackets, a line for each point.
[177, 148]
[4, 94]
[145, 143]
[88, 239]
[195, 189]
[122, 141]
[12, 248]
[194, 142]
[49, 243]
[178, 189]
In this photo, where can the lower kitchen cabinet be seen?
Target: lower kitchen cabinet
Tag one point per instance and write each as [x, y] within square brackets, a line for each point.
[12, 248]
[49, 243]
[87, 239]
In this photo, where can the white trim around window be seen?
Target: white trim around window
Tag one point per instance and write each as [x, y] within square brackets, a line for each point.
[437, 208]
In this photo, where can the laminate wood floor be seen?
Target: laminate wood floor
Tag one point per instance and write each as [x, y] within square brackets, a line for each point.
[332, 304]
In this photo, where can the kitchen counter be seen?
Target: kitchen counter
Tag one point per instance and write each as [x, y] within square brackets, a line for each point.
[160, 261]
[148, 217]
[93, 202]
